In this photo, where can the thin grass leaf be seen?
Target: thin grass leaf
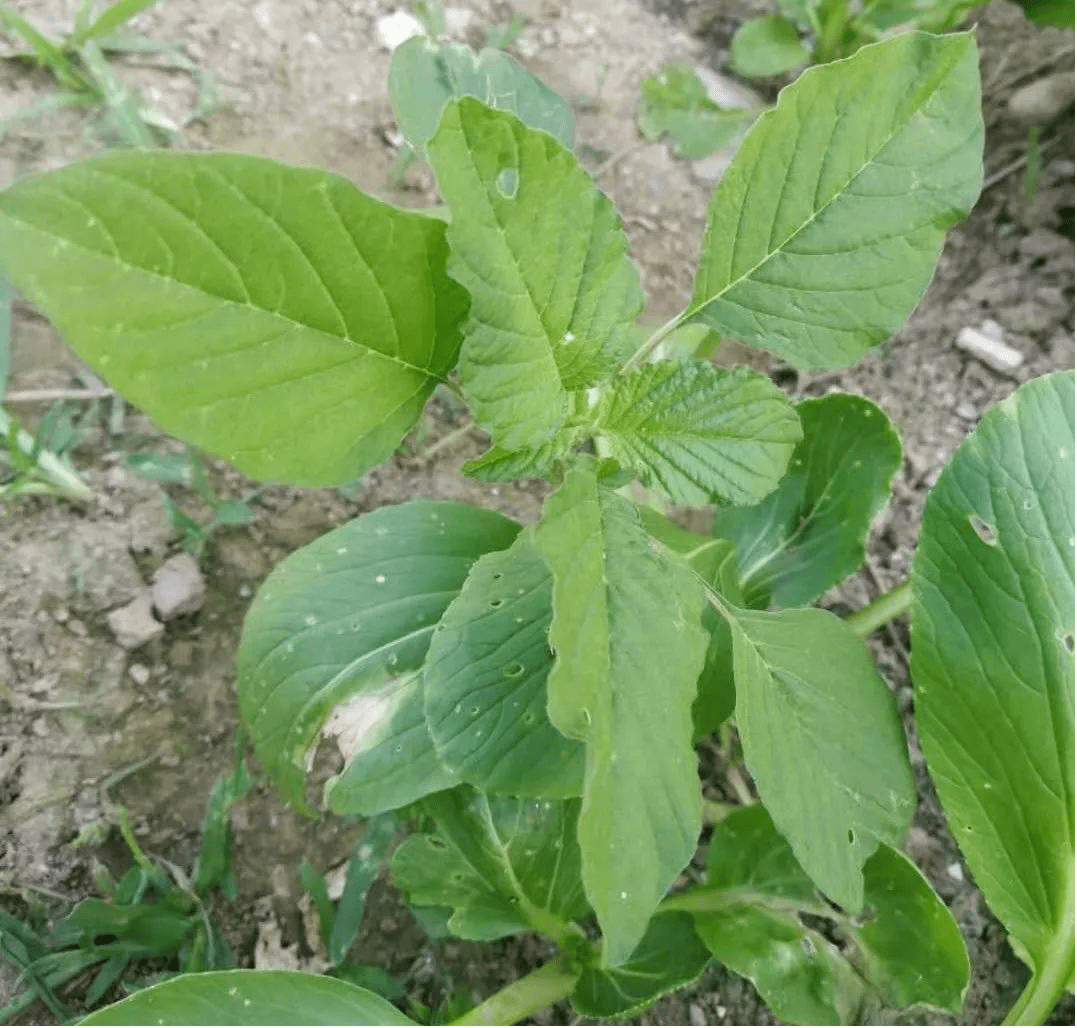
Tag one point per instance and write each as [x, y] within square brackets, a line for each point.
[106, 978]
[42, 49]
[120, 103]
[43, 105]
[314, 883]
[112, 18]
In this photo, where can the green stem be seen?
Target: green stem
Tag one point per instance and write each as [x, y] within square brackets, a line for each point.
[446, 440]
[1035, 1004]
[881, 610]
[651, 344]
[59, 475]
[549, 984]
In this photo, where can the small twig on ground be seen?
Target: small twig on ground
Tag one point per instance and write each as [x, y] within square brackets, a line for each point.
[51, 395]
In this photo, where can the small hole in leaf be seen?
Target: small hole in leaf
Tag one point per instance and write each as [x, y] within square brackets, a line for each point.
[507, 181]
[496, 603]
[1067, 641]
[809, 946]
[436, 843]
[985, 531]
[852, 837]
[513, 670]
[496, 575]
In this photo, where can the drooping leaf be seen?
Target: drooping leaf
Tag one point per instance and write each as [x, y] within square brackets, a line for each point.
[250, 997]
[503, 864]
[993, 664]
[825, 230]
[675, 104]
[499, 465]
[669, 955]
[307, 322]
[363, 868]
[823, 740]
[747, 914]
[347, 620]
[810, 533]
[629, 649]
[767, 46]
[425, 74]
[801, 975]
[912, 948]
[700, 432]
[542, 253]
[485, 681]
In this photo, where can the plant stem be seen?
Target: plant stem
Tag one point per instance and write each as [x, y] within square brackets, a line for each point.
[446, 440]
[60, 476]
[714, 812]
[1036, 1002]
[881, 610]
[649, 346]
[532, 993]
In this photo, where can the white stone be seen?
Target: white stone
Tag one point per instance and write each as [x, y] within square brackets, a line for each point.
[397, 28]
[135, 625]
[178, 587]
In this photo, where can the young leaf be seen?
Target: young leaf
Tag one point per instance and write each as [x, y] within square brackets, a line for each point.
[912, 948]
[700, 432]
[767, 46]
[503, 864]
[810, 533]
[307, 322]
[349, 617]
[425, 74]
[823, 741]
[498, 465]
[825, 230]
[542, 253]
[250, 997]
[802, 977]
[675, 103]
[993, 664]
[626, 632]
[485, 681]
[669, 955]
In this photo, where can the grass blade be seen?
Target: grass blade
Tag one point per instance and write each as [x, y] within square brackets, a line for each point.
[5, 334]
[113, 17]
[120, 103]
[43, 49]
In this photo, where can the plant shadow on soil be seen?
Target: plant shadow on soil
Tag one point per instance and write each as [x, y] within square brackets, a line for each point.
[75, 708]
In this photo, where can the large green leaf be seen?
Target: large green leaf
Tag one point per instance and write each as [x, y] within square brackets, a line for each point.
[823, 741]
[700, 432]
[993, 665]
[347, 621]
[675, 103]
[503, 864]
[825, 230]
[810, 532]
[499, 465]
[626, 632]
[911, 946]
[425, 74]
[669, 955]
[542, 253]
[747, 916]
[250, 997]
[800, 974]
[273, 315]
[767, 46]
[485, 681]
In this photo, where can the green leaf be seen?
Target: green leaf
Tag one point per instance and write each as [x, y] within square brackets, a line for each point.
[748, 855]
[825, 230]
[349, 617]
[307, 322]
[802, 977]
[1049, 12]
[811, 532]
[626, 632]
[363, 868]
[669, 955]
[675, 103]
[425, 74]
[823, 740]
[156, 926]
[499, 465]
[912, 948]
[767, 46]
[250, 997]
[485, 681]
[504, 864]
[542, 253]
[993, 665]
[700, 432]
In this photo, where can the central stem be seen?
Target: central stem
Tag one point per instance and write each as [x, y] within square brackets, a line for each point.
[881, 610]
[534, 992]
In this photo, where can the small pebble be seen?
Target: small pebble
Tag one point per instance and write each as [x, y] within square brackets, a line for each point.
[954, 871]
[966, 411]
[135, 625]
[140, 673]
[178, 587]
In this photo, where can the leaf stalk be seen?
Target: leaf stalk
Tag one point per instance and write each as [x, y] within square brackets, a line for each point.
[534, 992]
[882, 609]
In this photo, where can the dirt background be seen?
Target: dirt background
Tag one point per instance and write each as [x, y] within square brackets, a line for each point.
[304, 81]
